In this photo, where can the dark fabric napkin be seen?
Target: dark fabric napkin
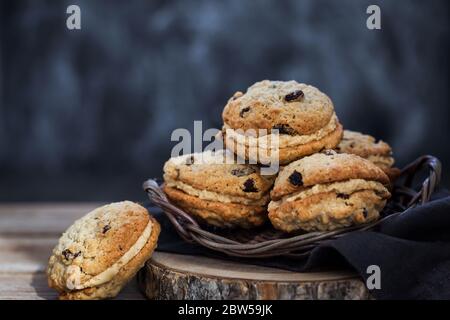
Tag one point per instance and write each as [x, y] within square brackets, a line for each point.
[411, 249]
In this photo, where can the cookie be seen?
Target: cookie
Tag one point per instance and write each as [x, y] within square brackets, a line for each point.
[303, 115]
[327, 191]
[102, 251]
[366, 146]
[215, 189]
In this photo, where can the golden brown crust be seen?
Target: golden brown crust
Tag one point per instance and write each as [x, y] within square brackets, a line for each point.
[392, 173]
[323, 168]
[366, 146]
[327, 211]
[363, 145]
[239, 180]
[217, 213]
[289, 154]
[127, 272]
[264, 106]
[97, 242]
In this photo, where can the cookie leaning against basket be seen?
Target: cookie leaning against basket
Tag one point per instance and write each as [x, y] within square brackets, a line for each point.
[327, 191]
[102, 251]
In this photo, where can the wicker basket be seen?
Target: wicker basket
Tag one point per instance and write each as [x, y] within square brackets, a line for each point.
[264, 242]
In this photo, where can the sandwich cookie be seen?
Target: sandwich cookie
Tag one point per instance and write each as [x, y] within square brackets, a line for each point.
[102, 251]
[366, 146]
[216, 190]
[303, 115]
[327, 191]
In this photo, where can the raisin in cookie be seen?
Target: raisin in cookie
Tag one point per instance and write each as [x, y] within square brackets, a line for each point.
[303, 115]
[215, 189]
[365, 146]
[102, 251]
[327, 191]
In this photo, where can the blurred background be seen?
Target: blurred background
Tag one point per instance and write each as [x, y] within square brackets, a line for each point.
[88, 114]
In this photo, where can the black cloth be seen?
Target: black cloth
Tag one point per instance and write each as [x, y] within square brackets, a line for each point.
[412, 250]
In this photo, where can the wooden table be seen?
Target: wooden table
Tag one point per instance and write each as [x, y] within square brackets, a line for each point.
[28, 233]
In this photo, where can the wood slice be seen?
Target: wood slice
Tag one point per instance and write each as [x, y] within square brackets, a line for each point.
[183, 277]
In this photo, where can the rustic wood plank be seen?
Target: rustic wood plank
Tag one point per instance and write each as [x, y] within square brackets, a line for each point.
[33, 286]
[41, 219]
[25, 255]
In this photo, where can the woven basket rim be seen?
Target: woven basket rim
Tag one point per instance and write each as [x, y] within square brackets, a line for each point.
[272, 243]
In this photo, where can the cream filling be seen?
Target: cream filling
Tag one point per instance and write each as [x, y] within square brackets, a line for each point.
[284, 140]
[345, 187]
[382, 161]
[75, 273]
[224, 156]
[214, 196]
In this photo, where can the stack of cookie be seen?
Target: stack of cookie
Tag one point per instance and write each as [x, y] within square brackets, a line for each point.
[330, 179]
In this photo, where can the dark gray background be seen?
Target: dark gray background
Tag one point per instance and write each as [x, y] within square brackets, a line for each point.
[87, 115]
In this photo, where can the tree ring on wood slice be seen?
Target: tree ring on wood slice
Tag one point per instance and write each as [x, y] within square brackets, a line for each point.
[168, 276]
